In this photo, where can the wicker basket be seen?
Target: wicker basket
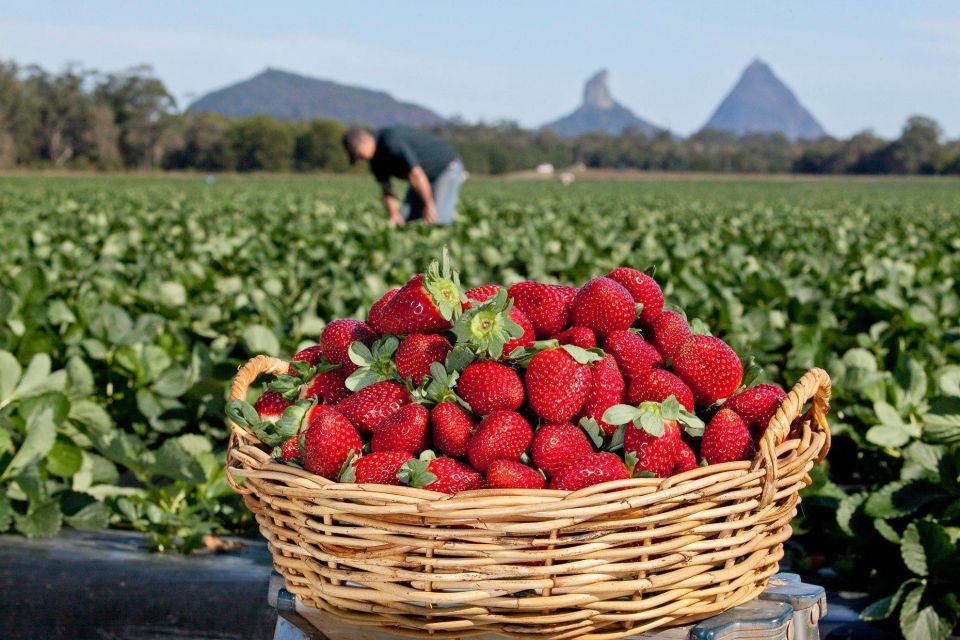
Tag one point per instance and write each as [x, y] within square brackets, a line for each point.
[608, 561]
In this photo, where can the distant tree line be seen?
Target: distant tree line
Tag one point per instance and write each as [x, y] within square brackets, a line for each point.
[129, 120]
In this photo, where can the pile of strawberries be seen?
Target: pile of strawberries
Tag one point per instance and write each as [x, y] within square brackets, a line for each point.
[532, 386]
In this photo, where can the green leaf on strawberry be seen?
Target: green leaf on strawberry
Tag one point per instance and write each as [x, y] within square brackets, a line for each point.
[414, 473]
[593, 431]
[487, 327]
[581, 355]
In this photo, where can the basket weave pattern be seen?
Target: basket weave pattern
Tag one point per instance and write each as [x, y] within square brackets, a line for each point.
[605, 562]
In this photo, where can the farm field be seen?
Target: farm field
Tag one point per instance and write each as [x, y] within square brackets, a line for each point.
[127, 303]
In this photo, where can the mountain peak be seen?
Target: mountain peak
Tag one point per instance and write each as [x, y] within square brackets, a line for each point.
[761, 103]
[291, 96]
[600, 113]
[596, 92]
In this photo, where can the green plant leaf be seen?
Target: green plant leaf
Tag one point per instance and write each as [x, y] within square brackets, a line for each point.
[893, 436]
[173, 461]
[260, 339]
[93, 517]
[847, 508]
[6, 513]
[10, 373]
[941, 424]
[921, 623]
[64, 458]
[925, 545]
[621, 414]
[883, 608]
[41, 520]
[41, 434]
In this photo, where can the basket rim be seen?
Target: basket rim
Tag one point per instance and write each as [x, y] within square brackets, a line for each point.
[814, 387]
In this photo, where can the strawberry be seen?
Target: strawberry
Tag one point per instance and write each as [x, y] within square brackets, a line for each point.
[557, 445]
[443, 475]
[481, 294]
[426, 303]
[557, 385]
[603, 305]
[634, 354]
[503, 435]
[608, 388]
[684, 459]
[270, 405]
[290, 450]
[417, 352]
[547, 306]
[328, 442]
[490, 386]
[656, 385]
[494, 327]
[589, 470]
[655, 454]
[404, 430]
[709, 366]
[667, 331]
[373, 317]
[726, 439]
[366, 408]
[643, 289]
[327, 387]
[579, 336]
[756, 406]
[339, 335]
[504, 474]
[380, 467]
[452, 425]
[311, 355]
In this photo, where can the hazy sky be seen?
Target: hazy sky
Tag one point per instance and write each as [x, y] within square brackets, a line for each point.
[855, 65]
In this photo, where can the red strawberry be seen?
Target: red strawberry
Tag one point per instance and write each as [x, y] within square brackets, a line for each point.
[444, 475]
[529, 335]
[608, 388]
[311, 355]
[578, 336]
[604, 306]
[290, 450]
[567, 292]
[328, 442]
[490, 386]
[756, 406]
[404, 430]
[656, 385]
[328, 387]
[270, 405]
[557, 445]
[452, 425]
[644, 290]
[667, 331]
[634, 354]
[684, 460]
[504, 474]
[339, 335]
[380, 467]
[726, 439]
[481, 294]
[425, 304]
[417, 352]
[547, 306]
[710, 368]
[503, 435]
[655, 454]
[592, 469]
[557, 385]
[368, 407]
[373, 317]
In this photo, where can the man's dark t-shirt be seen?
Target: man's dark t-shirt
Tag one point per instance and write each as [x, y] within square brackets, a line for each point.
[401, 148]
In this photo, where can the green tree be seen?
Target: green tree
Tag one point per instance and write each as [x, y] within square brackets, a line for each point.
[318, 147]
[261, 143]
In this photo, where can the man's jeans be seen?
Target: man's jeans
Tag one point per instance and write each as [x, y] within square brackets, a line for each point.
[445, 189]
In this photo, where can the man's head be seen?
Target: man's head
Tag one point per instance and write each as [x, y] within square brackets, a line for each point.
[359, 143]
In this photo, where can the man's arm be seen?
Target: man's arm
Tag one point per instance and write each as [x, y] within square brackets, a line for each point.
[391, 204]
[421, 185]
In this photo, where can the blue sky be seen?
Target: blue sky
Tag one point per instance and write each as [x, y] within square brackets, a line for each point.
[855, 65]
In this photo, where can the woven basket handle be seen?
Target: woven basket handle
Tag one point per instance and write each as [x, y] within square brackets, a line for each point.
[813, 386]
[245, 376]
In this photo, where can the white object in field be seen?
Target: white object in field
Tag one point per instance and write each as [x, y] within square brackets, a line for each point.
[566, 178]
[545, 169]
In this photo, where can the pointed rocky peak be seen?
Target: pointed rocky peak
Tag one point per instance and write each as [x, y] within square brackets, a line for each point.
[596, 92]
[761, 103]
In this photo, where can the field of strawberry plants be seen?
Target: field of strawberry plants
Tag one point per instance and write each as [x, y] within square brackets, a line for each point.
[127, 304]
